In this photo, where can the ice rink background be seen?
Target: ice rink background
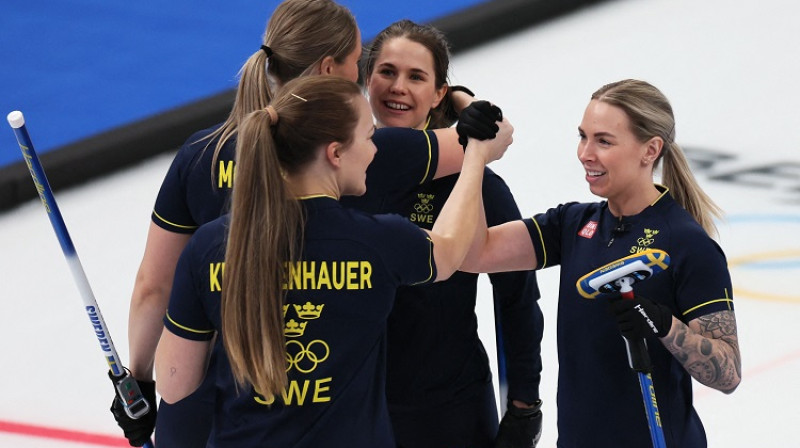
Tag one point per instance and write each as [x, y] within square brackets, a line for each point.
[730, 70]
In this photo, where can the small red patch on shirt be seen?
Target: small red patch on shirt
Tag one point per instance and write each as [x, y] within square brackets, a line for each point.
[588, 230]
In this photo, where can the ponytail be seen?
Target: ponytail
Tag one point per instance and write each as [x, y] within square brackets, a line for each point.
[677, 176]
[252, 93]
[264, 227]
[298, 36]
[266, 221]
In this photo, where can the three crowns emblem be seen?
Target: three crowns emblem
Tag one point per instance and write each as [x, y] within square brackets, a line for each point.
[309, 311]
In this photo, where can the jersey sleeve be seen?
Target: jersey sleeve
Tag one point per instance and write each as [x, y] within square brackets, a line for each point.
[703, 283]
[405, 159]
[545, 231]
[171, 211]
[406, 250]
[186, 317]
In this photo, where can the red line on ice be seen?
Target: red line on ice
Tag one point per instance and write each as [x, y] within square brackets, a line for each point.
[65, 435]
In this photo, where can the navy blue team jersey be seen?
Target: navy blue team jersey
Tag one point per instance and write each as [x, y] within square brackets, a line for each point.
[194, 193]
[599, 400]
[436, 358]
[339, 295]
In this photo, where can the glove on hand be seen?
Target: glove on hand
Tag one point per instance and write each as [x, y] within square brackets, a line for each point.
[137, 431]
[641, 317]
[520, 427]
[478, 120]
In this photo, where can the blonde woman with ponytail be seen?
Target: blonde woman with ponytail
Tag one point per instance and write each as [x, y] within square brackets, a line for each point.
[308, 283]
[685, 314]
[302, 37]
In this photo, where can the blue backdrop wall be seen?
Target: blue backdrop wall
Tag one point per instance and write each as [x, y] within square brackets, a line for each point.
[104, 85]
[81, 67]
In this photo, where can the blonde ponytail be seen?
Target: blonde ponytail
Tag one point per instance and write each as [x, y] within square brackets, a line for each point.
[677, 176]
[266, 221]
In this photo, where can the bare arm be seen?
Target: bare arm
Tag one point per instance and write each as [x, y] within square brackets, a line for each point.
[456, 226]
[151, 296]
[180, 366]
[451, 153]
[503, 248]
[708, 348]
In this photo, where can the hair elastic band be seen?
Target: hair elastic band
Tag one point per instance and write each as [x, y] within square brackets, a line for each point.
[267, 50]
[273, 115]
[671, 134]
[457, 88]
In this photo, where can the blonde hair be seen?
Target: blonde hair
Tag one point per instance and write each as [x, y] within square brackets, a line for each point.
[650, 115]
[300, 33]
[266, 222]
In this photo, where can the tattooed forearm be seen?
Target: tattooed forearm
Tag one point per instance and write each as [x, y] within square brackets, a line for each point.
[708, 348]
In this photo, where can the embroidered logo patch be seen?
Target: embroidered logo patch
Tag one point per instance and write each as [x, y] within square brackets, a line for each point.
[588, 230]
[644, 242]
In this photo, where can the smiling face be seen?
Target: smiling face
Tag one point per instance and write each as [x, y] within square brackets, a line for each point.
[402, 85]
[618, 166]
[356, 157]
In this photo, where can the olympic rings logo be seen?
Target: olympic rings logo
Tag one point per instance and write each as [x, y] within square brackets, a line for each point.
[423, 208]
[306, 358]
[644, 242]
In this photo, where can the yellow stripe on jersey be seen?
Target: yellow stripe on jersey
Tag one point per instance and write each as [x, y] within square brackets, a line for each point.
[314, 196]
[725, 299]
[183, 327]
[172, 223]
[427, 123]
[430, 262]
[542, 263]
[430, 152]
[664, 190]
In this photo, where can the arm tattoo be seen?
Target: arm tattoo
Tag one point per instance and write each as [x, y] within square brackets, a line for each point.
[708, 348]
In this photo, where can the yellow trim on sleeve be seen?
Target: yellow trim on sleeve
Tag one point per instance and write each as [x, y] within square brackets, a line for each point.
[430, 152]
[725, 299]
[172, 223]
[544, 249]
[183, 327]
[430, 263]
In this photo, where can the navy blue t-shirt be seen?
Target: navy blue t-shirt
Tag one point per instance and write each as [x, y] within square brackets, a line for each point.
[194, 193]
[599, 400]
[339, 295]
[435, 353]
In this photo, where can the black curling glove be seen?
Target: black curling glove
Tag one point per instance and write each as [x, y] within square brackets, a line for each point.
[520, 427]
[639, 317]
[137, 431]
[478, 120]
